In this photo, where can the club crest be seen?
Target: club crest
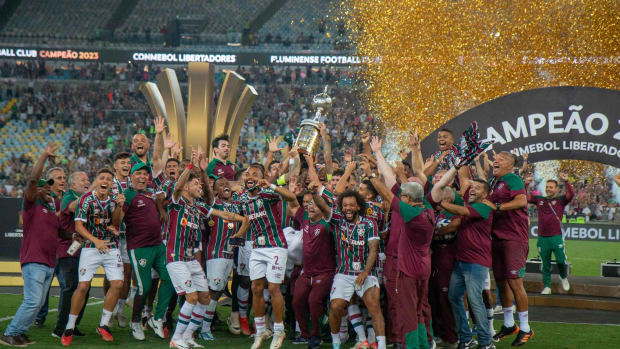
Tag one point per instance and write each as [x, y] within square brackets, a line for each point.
[142, 262]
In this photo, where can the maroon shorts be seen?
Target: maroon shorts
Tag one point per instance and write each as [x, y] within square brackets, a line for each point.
[509, 259]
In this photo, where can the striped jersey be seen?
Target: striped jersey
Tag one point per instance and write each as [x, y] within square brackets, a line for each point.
[221, 231]
[97, 216]
[118, 188]
[287, 221]
[265, 213]
[183, 229]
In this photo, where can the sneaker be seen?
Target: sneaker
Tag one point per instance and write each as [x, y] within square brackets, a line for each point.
[179, 344]
[432, 346]
[25, 339]
[258, 340]
[105, 333]
[57, 333]
[233, 323]
[546, 290]
[489, 346]
[362, 345]
[375, 346]
[314, 342]
[13, 341]
[565, 284]
[192, 343]
[121, 320]
[67, 337]
[522, 338]
[77, 332]
[505, 332]
[245, 326]
[136, 331]
[467, 345]
[158, 327]
[206, 336]
[278, 339]
[299, 339]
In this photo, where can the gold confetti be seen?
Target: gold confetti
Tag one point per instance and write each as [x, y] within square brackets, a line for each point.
[437, 59]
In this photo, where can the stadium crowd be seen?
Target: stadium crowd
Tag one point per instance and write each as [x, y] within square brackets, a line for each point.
[328, 239]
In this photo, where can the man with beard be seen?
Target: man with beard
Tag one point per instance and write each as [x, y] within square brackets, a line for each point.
[121, 182]
[60, 185]
[220, 251]
[141, 217]
[418, 224]
[183, 244]
[262, 204]
[220, 166]
[68, 264]
[510, 245]
[473, 260]
[313, 285]
[38, 250]
[93, 222]
[550, 239]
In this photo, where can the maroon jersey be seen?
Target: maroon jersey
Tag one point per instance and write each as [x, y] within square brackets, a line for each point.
[396, 227]
[318, 245]
[473, 241]
[550, 211]
[265, 213]
[143, 227]
[40, 232]
[414, 246]
[67, 223]
[221, 168]
[513, 224]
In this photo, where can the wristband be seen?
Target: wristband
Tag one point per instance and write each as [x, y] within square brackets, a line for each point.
[497, 205]
[272, 186]
[190, 166]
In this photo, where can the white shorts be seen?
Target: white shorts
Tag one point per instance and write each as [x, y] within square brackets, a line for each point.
[91, 259]
[379, 267]
[243, 259]
[218, 271]
[187, 277]
[487, 282]
[122, 245]
[269, 262]
[344, 286]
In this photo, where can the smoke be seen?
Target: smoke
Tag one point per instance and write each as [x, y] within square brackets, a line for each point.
[610, 172]
[543, 171]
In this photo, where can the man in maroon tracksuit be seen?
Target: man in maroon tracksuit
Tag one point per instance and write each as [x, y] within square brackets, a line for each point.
[314, 283]
[550, 239]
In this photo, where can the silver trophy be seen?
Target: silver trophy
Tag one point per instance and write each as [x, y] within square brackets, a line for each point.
[308, 138]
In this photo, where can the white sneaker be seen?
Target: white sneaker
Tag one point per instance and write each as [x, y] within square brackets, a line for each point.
[179, 344]
[565, 284]
[158, 327]
[192, 343]
[233, 323]
[136, 331]
[278, 339]
[121, 319]
[546, 290]
[258, 340]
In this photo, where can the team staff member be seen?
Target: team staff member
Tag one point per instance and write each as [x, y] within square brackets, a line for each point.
[145, 247]
[550, 239]
[38, 250]
[510, 234]
[68, 264]
[473, 260]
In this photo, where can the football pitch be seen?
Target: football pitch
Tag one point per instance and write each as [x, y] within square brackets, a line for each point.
[585, 256]
[547, 335]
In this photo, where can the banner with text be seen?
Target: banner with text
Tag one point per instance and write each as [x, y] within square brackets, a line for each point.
[178, 57]
[585, 231]
[568, 122]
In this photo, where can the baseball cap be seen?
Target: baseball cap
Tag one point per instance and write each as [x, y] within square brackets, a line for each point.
[139, 166]
[43, 182]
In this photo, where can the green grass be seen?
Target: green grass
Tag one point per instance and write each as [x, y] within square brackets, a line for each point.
[585, 256]
[547, 335]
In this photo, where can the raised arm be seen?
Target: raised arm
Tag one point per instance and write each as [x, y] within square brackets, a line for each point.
[158, 147]
[286, 194]
[384, 168]
[570, 191]
[37, 170]
[453, 208]
[383, 191]
[439, 192]
[200, 160]
[417, 162]
[327, 148]
[181, 182]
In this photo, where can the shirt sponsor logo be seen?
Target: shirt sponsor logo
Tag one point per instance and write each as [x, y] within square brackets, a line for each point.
[257, 215]
[357, 242]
